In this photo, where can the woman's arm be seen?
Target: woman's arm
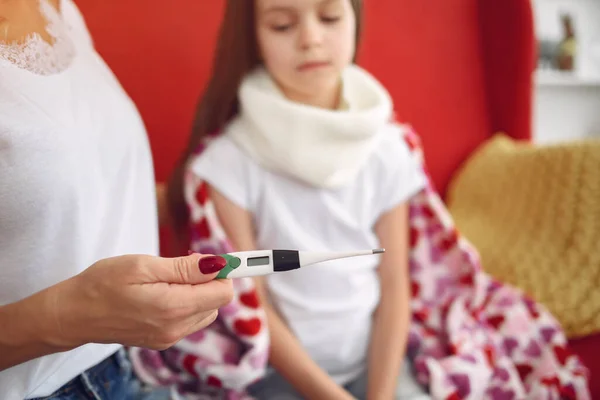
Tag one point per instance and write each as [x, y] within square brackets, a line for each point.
[27, 328]
[134, 300]
[286, 353]
[390, 332]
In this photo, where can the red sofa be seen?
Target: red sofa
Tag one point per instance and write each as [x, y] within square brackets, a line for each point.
[458, 72]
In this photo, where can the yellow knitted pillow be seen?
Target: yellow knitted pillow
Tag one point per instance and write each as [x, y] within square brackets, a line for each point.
[533, 212]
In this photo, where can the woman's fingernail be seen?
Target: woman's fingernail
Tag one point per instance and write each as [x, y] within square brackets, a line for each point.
[190, 252]
[211, 264]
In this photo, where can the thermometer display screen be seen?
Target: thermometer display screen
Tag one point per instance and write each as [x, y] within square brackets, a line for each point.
[256, 261]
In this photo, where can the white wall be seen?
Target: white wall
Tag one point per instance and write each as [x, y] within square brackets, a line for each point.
[566, 112]
[568, 107]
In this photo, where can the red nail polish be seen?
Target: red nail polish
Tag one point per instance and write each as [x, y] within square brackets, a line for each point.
[211, 264]
[190, 252]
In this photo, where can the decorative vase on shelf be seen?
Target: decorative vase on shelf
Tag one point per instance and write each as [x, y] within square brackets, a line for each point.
[567, 48]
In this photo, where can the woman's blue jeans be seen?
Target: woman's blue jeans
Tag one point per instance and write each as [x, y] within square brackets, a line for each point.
[111, 379]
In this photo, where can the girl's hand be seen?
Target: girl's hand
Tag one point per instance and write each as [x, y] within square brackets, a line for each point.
[137, 300]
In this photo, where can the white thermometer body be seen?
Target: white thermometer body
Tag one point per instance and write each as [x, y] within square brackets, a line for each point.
[264, 262]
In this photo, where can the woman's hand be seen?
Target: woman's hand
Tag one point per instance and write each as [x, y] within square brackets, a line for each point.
[140, 301]
[133, 300]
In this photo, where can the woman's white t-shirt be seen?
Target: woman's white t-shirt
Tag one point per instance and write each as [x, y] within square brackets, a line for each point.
[76, 180]
[329, 307]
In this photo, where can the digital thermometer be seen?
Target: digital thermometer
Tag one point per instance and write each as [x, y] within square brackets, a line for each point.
[264, 262]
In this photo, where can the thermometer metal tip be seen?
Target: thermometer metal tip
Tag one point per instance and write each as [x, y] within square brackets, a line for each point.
[378, 251]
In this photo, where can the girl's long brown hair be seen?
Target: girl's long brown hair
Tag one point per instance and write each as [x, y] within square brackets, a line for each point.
[237, 53]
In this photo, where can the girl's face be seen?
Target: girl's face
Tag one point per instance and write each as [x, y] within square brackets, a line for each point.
[305, 45]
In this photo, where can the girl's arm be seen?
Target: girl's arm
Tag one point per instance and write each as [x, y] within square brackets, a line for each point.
[390, 331]
[286, 355]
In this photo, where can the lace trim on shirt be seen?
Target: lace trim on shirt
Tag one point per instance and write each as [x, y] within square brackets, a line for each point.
[35, 54]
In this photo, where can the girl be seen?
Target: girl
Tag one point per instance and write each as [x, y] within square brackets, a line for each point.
[307, 158]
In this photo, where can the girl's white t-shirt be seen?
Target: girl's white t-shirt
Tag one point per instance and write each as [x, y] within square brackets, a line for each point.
[329, 307]
[76, 180]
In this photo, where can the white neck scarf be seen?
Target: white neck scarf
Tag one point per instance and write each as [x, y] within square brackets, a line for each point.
[321, 147]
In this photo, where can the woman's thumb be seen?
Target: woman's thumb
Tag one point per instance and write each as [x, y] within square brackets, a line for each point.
[192, 269]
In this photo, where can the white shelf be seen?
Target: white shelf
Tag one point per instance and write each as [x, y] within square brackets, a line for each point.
[557, 78]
